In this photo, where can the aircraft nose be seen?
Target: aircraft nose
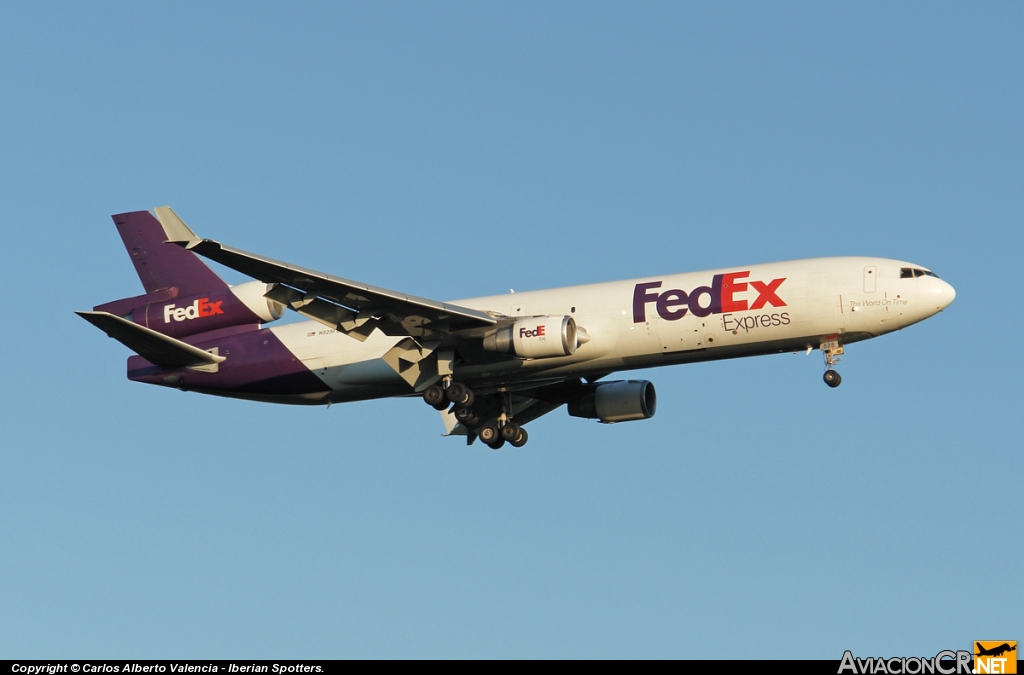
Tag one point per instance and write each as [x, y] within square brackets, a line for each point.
[944, 295]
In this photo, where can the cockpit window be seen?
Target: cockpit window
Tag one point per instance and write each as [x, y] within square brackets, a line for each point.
[912, 272]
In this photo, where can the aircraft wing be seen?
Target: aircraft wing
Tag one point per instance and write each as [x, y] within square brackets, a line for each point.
[349, 306]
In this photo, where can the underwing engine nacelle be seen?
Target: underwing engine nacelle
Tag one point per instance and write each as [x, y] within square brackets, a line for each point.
[536, 337]
[619, 401]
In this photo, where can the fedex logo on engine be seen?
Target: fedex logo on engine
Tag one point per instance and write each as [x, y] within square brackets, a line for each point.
[201, 307]
[717, 298]
[536, 332]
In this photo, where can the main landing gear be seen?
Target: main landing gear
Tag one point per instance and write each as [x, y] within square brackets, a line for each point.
[489, 417]
[439, 397]
[495, 436]
[832, 351]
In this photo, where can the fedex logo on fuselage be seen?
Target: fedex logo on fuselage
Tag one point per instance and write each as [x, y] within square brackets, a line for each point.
[673, 304]
[536, 332]
[201, 307]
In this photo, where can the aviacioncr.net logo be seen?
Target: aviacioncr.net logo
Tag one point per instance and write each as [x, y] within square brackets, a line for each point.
[946, 662]
[995, 656]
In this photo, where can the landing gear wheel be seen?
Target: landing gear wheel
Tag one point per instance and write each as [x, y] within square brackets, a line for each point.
[489, 434]
[466, 415]
[434, 396]
[460, 394]
[510, 431]
[520, 440]
[496, 445]
[832, 350]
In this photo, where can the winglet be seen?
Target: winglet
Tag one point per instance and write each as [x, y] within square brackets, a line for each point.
[175, 228]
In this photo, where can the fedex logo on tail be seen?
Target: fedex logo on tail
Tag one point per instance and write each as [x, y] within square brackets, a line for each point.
[719, 297]
[201, 307]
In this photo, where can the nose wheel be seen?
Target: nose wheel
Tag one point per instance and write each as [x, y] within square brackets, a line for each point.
[832, 351]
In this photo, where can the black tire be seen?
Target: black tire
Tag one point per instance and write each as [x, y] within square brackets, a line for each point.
[489, 433]
[832, 378]
[510, 431]
[434, 396]
[464, 413]
[520, 441]
[496, 445]
[455, 392]
[460, 394]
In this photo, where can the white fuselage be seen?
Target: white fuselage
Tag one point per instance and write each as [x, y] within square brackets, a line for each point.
[653, 321]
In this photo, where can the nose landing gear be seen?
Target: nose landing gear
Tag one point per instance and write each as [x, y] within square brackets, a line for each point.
[832, 350]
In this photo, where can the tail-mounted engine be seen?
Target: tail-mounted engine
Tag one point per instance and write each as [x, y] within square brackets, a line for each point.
[535, 337]
[619, 401]
[183, 316]
[253, 295]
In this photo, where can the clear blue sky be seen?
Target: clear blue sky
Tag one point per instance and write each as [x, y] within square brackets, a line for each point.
[459, 149]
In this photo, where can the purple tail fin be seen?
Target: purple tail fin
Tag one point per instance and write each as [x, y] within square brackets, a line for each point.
[166, 271]
[162, 266]
[183, 296]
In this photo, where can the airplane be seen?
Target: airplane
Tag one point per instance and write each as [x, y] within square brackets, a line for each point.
[994, 651]
[491, 364]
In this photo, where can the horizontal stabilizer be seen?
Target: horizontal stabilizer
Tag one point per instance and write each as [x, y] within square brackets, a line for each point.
[155, 347]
